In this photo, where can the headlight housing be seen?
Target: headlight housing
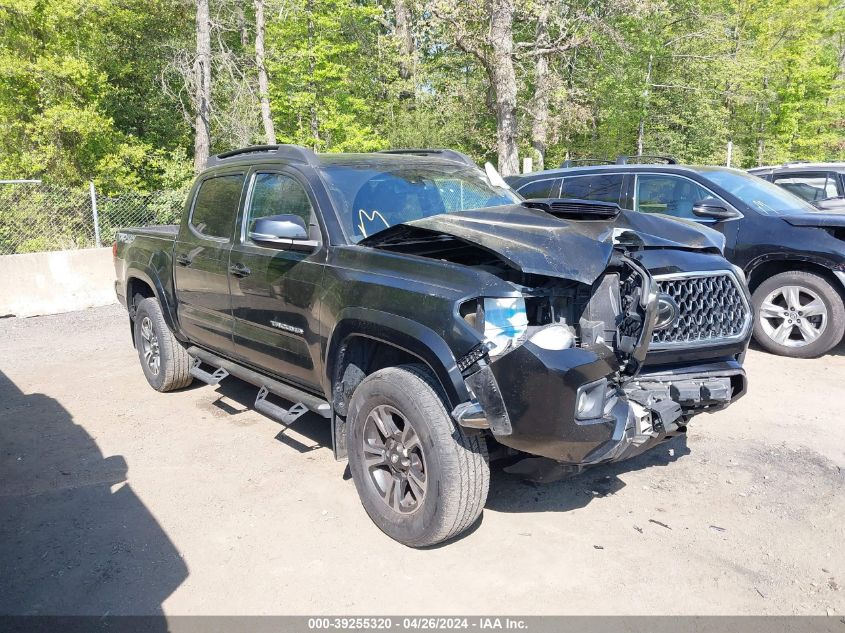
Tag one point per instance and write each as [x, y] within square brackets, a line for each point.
[502, 321]
[590, 400]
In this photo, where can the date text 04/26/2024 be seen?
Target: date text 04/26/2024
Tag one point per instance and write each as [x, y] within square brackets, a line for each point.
[416, 623]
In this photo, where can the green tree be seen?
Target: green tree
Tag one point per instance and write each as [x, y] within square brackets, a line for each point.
[77, 100]
[331, 74]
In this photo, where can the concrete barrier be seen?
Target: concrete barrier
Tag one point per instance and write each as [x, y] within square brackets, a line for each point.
[60, 281]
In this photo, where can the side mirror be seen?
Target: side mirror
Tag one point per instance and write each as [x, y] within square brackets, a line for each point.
[279, 229]
[714, 209]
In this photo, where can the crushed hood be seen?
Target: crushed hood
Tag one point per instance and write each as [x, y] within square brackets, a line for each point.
[819, 219]
[537, 242]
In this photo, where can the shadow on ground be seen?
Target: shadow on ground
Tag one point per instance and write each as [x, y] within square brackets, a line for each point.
[839, 350]
[511, 493]
[74, 537]
[309, 433]
[508, 493]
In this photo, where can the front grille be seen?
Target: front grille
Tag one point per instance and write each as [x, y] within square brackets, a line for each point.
[712, 309]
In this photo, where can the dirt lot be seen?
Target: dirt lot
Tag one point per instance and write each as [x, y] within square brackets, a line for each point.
[116, 499]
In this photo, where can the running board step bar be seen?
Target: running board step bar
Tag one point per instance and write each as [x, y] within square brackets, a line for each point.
[304, 401]
[285, 416]
[199, 373]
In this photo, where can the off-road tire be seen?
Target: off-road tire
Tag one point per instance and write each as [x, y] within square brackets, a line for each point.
[457, 470]
[819, 286]
[175, 363]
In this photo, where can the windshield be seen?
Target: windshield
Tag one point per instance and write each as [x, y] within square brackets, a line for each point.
[370, 198]
[760, 194]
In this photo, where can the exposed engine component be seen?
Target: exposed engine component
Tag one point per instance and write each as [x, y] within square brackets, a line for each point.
[554, 337]
[561, 314]
[616, 313]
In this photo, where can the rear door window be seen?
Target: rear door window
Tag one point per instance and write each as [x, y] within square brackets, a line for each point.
[599, 187]
[809, 186]
[216, 206]
[546, 188]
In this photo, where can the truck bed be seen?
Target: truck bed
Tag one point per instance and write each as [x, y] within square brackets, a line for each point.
[148, 249]
[167, 231]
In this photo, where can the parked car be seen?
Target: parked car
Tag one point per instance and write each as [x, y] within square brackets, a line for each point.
[436, 319]
[820, 184]
[793, 256]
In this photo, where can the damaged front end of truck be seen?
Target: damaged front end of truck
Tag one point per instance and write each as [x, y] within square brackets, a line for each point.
[618, 331]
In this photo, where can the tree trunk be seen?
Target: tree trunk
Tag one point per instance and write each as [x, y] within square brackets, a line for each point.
[312, 63]
[263, 87]
[503, 77]
[761, 131]
[202, 72]
[540, 104]
[243, 31]
[406, 47]
[641, 128]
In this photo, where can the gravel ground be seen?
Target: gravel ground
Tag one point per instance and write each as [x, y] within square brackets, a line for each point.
[116, 499]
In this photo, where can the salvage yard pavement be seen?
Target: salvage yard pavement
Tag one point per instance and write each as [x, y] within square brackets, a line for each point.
[115, 499]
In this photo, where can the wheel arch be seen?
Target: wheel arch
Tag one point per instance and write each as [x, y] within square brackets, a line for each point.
[764, 268]
[370, 340]
[148, 284]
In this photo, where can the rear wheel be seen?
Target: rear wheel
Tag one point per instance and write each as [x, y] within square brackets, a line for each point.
[798, 314]
[420, 478]
[165, 362]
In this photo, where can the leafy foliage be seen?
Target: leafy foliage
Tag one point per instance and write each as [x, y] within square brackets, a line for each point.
[101, 89]
[78, 93]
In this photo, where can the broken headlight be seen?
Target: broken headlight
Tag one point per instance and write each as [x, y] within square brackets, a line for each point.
[502, 321]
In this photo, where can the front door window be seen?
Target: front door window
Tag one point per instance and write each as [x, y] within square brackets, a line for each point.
[669, 195]
[279, 194]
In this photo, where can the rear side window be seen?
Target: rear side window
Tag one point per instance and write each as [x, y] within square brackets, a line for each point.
[547, 188]
[811, 187]
[599, 187]
[216, 206]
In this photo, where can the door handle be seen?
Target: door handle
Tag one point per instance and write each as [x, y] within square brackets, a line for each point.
[239, 270]
[183, 260]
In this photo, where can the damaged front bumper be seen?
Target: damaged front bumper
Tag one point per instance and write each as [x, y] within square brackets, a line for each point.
[535, 400]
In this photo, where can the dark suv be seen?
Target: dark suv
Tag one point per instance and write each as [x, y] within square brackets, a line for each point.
[820, 184]
[792, 254]
[435, 319]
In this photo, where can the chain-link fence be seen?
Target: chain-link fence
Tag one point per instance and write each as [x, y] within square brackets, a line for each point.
[136, 209]
[37, 216]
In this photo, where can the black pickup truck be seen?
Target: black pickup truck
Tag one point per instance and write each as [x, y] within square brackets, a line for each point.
[436, 319]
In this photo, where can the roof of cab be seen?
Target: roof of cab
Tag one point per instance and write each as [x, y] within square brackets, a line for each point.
[304, 155]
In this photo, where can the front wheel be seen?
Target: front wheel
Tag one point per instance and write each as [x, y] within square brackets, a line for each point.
[420, 478]
[798, 314]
